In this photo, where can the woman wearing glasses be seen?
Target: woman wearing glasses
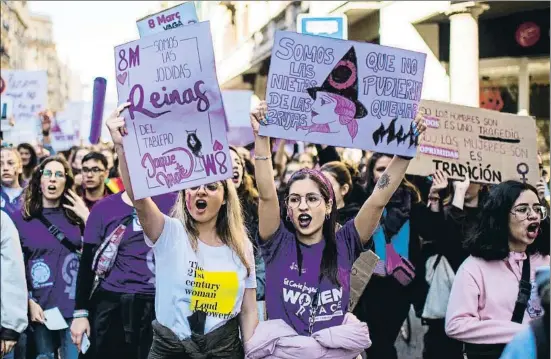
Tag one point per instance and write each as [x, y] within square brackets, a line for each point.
[308, 264]
[493, 293]
[50, 227]
[204, 267]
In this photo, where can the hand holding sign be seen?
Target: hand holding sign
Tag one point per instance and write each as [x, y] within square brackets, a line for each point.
[258, 116]
[117, 125]
[176, 119]
[46, 117]
[343, 93]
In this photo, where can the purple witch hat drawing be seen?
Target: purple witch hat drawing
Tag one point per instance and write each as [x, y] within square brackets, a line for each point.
[336, 100]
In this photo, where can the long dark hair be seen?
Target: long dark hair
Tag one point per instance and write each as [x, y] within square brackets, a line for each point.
[329, 265]
[247, 191]
[489, 239]
[196, 149]
[33, 161]
[368, 180]
[346, 173]
[32, 207]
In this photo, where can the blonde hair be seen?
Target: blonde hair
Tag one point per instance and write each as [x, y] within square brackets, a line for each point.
[229, 222]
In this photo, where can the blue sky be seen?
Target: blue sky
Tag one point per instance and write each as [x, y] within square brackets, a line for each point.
[87, 31]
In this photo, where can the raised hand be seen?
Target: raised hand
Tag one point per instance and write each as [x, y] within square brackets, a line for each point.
[540, 187]
[439, 182]
[117, 124]
[77, 205]
[461, 186]
[419, 124]
[46, 117]
[258, 116]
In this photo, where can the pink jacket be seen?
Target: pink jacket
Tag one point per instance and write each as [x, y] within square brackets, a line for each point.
[483, 298]
[275, 339]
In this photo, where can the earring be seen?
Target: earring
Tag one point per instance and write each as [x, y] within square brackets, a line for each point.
[327, 216]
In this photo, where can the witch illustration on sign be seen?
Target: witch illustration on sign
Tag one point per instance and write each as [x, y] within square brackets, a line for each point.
[195, 145]
[336, 102]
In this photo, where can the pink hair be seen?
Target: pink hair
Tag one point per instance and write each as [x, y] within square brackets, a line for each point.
[346, 109]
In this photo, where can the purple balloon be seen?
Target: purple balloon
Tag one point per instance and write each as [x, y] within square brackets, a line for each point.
[98, 102]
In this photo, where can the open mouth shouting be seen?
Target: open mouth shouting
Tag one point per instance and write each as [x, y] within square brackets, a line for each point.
[304, 220]
[52, 189]
[201, 206]
[533, 230]
[235, 177]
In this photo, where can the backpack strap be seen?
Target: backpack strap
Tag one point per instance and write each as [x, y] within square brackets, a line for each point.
[525, 289]
[58, 234]
[105, 244]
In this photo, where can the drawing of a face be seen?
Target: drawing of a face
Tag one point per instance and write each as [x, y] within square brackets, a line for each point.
[323, 109]
[194, 143]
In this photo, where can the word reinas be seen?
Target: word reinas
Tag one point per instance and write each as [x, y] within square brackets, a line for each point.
[188, 96]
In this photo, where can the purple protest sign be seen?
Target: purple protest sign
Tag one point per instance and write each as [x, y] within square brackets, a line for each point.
[176, 119]
[343, 93]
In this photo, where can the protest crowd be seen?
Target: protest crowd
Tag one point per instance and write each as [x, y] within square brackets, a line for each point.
[299, 248]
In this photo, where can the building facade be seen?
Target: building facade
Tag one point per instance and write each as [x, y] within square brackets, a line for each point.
[26, 43]
[41, 54]
[14, 20]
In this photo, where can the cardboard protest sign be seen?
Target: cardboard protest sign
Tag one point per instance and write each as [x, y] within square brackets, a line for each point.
[172, 18]
[485, 146]
[176, 119]
[26, 92]
[343, 93]
[237, 104]
[65, 131]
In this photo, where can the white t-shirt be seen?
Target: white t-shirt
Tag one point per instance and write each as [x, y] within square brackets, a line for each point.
[213, 280]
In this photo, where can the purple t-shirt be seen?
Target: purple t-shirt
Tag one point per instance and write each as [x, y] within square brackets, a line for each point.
[8, 203]
[50, 266]
[289, 296]
[134, 267]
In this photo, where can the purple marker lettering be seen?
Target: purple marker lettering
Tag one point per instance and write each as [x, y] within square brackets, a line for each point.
[138, 107]
[203, 104]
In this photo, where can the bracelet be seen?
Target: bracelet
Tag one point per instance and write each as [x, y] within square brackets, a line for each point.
[261, 158]
[80, 313]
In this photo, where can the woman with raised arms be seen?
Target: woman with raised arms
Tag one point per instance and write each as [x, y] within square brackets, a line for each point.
[205, 277]
[308, 263]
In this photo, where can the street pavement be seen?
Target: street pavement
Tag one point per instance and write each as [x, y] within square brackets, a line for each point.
[413, 350]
